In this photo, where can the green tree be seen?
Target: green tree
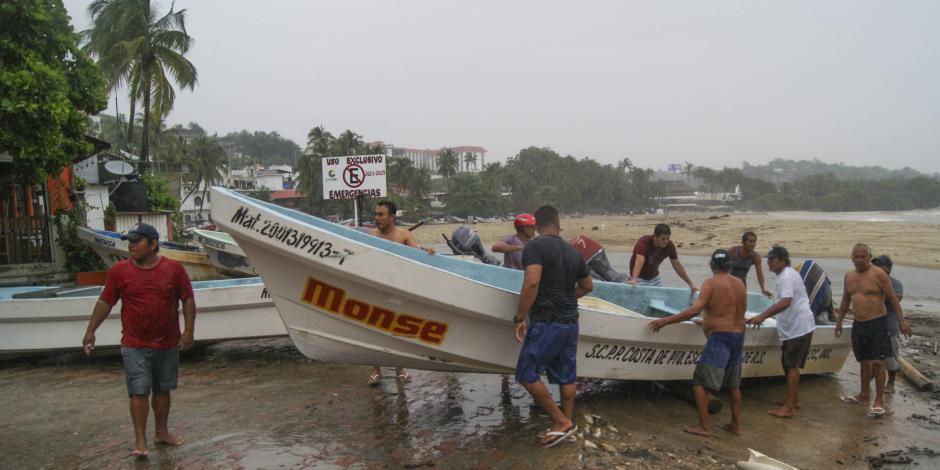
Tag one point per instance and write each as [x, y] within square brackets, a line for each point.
[469, 197]
[139, 47]
[48, 86]
[469, 159]
[205, 159]
[448, 162]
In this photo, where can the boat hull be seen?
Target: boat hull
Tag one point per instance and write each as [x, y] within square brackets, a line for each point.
[349, 299]
[224, 254]
[230, 311]
[111, 250]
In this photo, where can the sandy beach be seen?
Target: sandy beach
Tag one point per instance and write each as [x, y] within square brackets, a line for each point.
[908, 244]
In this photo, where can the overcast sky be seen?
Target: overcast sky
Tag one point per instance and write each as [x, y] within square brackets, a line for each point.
[715, 83]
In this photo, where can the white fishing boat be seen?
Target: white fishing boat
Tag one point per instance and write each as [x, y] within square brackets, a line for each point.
[349, 297]
[34, 319]
[223, 252]
[111, 249]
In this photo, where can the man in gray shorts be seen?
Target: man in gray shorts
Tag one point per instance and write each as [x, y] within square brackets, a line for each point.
[894, 331]
[150, 288]
[795, 326]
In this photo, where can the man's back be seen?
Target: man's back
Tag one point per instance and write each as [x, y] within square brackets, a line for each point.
[725, 305]
[562, 268]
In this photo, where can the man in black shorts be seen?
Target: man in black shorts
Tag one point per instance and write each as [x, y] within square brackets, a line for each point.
[866, 290]
[555, 276]
[795, 325]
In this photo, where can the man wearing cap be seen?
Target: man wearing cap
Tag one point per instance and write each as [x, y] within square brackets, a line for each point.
[724, 301]
[795, 325]
[150, 288]
[511, 246]
[892, 364]
[649, 252]
[866, 291]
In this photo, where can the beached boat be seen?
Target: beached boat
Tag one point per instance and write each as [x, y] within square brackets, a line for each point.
[349, 297]
[109, 246]
[36, 319]
[224, 253]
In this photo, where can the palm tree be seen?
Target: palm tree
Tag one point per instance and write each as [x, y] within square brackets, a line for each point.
[205, 158]
[470, 158]
[401, 173]
[447, 164]
[348, 143]
[688, 170]
[138, 47]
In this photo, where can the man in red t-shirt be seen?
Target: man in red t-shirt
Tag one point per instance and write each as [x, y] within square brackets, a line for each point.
[150, 288]
[649, 252]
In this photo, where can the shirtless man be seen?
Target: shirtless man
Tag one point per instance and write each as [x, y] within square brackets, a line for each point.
[866, 290]
[724, 300]
[385, 227]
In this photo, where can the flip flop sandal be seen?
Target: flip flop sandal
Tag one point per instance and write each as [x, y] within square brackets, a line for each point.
[876, 411]
[404, 378]
[541, 435]
[375, 379]
[559, 436]
[851, 399]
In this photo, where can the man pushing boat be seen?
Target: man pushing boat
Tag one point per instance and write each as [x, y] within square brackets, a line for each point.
[555, 277]
[385, 214]
[724, 300]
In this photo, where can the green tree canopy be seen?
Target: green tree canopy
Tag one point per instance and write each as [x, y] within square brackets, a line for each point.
[47, 88]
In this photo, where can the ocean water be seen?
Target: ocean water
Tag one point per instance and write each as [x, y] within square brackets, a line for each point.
[928, 216]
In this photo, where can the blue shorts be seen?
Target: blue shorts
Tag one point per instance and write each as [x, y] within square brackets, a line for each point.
[146, 369]
[720, 363]
[551, 348]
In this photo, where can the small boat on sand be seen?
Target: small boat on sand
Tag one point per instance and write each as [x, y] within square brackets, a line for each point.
[35, 319]
[349, 297]
[224, 253]
[109, 246]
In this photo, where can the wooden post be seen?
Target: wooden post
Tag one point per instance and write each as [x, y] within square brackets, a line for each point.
[914, 376]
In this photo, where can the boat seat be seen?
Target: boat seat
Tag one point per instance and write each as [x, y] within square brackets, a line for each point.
[659, 305]
[602, 305]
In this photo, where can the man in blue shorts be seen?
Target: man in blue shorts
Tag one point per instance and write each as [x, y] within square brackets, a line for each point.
[555, 277]
[724, 300]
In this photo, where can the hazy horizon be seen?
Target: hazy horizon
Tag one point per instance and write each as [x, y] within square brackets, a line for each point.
[715, 84]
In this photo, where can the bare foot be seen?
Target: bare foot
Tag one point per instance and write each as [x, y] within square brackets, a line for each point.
[731, 427]
[698, 431]
[784, 402]
[781, 412]
[168, 439]
[889, 387]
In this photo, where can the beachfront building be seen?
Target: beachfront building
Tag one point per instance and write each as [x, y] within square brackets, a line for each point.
[472, 158]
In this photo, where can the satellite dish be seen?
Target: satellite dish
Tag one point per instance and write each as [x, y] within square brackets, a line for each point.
[119, 167]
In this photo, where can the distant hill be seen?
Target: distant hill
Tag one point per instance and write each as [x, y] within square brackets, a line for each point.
[780, 170]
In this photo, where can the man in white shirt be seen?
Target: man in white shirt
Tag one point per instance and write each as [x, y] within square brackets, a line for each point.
[795, 325]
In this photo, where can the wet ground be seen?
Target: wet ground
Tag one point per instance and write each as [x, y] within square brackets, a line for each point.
[259, 404]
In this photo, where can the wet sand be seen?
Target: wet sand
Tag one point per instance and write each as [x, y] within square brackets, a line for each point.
[259, 404]
[911, 244]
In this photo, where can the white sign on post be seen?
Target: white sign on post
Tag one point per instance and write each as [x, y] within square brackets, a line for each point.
[346, 177]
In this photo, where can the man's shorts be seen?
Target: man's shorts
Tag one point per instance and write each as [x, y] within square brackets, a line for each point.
[654, 282]
[870, 339]
[720, 363]
[794, 351]
[551, 348]
[150, 369]
[891, 363]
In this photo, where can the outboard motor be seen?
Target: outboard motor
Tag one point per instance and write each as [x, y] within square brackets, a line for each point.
[464, 241]
[596, 260]
[819, 291]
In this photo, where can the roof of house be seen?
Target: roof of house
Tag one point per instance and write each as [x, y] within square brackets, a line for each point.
[286, 194]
